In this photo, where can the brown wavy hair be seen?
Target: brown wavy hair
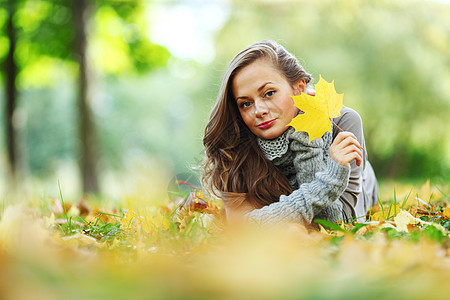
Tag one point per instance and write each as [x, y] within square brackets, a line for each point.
[235, 169]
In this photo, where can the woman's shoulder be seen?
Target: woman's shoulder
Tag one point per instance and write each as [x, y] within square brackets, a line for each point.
[348, 114]
[349, 120]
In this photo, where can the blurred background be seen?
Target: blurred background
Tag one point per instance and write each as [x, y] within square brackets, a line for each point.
[104, 96]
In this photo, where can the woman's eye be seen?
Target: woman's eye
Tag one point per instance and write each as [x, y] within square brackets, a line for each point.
[245, 104]
[269, 94]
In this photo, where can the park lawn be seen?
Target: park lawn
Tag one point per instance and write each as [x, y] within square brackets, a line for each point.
[140, 248]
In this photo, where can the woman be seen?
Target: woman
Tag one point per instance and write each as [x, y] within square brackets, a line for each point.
[264, 170]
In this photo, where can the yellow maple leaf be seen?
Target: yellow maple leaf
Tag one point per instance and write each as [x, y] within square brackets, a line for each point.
[318, 110]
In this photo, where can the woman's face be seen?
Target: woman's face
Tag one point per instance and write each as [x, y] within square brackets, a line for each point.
[262, 95]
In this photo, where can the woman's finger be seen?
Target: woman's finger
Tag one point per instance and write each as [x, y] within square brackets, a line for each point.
[355, 156]
[343, 135]
[346, 137]
[345, 150]
[352, 148]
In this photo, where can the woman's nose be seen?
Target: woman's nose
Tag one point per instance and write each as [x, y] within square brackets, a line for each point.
[261, 108]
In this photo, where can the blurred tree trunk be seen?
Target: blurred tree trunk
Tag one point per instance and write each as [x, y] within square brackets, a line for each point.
[88, 141]
[11, 91]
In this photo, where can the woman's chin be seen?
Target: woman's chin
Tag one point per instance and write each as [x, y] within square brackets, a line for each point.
[271, 133]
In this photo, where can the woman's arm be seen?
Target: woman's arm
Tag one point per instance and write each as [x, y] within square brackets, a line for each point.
[320, 189]
[350, 121]
[309, 199]
[309, 158]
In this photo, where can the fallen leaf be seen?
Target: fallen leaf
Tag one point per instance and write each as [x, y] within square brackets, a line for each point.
[165, 210]
[101, 214]
[195, 202]
[49, 221]
[447, 212]
[83, 207]
[318, 110]
[386, 213]
[73, 211]
[58, 209]
[65, 221]
[80, 239]
[425, 192]
[374, 225]
[373, 210]
[422, 196]
[404, 218]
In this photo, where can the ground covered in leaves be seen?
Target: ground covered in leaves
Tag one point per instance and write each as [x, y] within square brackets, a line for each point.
[182, 249]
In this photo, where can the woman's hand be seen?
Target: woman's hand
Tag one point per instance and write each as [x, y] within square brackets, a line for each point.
[346, 148]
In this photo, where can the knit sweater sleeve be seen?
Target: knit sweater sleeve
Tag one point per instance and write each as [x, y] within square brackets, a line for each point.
[310, 158]
[308, 200]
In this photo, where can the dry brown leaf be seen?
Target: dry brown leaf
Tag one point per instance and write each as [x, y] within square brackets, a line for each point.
[57, 207]
[83, 207]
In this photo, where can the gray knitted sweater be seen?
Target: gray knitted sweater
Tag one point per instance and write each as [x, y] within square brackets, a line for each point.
[318, 180]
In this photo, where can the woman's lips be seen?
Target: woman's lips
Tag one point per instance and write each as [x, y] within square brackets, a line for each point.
[266, 124]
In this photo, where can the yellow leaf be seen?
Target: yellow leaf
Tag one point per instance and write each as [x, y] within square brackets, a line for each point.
[386, 213]
[73, 211]
[80, 239]
[447, 212]
[425, 192]
[403, 218]
[49, 221]
[115, 243]
[129, 222]
[148, 224]
[318, 110]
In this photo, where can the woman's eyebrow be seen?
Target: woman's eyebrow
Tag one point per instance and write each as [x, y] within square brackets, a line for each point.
[262, 86]
[259, 90]
[241, 98]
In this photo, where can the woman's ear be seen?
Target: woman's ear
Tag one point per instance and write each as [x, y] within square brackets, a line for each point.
[300, 87]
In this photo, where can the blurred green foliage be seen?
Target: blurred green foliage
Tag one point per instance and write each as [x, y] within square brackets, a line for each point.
[390, 58]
